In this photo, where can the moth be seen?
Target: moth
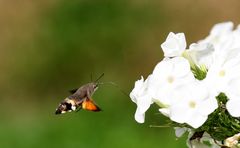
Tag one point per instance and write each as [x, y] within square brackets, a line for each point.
[80, 98]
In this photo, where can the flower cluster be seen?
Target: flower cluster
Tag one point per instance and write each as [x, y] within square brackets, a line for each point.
[195, 86]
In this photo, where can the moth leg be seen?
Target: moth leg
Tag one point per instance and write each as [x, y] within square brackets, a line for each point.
[78, 109]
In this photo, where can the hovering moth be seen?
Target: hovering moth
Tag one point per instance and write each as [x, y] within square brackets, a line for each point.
[80, 98]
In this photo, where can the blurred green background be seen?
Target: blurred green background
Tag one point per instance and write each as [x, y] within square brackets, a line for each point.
[49, 47]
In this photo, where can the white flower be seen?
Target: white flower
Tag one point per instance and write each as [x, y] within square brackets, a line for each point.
[179, 131]
[201, 54]
[141, 97]
[168, 76]
[224, 76]
[174, 45]
[183, 98]
[223, 71]
[232, 141]
[192, 105]
[221, 28]
[196, 143]
[220, 36]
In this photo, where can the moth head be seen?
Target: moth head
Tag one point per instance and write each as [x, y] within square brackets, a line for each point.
[95, 86]
[91, 87]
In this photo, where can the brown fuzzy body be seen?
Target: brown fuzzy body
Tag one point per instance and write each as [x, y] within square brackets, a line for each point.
[80, 98]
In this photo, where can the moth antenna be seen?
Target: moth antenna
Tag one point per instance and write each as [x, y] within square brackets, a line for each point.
[116, 86]
[99, 78]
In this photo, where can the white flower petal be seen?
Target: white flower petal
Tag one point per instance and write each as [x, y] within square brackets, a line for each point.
[222, 28]
[181, 66]
[201, 53]
[144, 103]
[179, 131]
[139, 117]
[208, 106]
[197, 120]
[233, 107]
[165, 111]
[221, 36]
[174, 45]
[141, 97]
[165, 65]
[179, 113]
[137, 89]
[233, 91]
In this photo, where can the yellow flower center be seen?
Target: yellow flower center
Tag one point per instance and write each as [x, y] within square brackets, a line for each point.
[222, 73]
[170, 79]
[192, 104]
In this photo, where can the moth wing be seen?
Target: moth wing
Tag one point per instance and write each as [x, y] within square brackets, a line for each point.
[73, 90]
[90, 105]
